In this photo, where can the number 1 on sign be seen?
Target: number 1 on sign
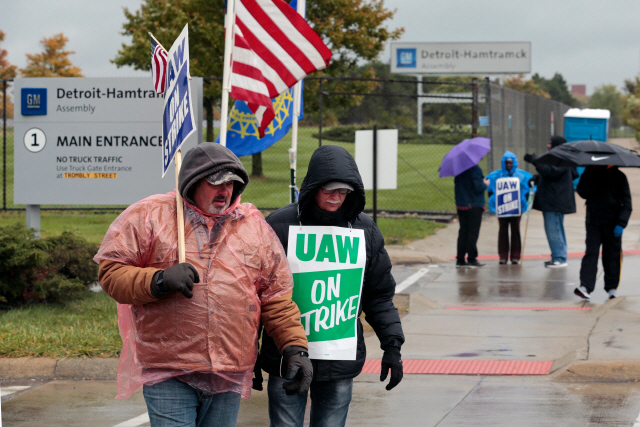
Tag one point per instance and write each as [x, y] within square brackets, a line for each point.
[35, 140]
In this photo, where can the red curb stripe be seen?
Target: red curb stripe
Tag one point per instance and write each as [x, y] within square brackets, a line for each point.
[465, 367]
[471, 307]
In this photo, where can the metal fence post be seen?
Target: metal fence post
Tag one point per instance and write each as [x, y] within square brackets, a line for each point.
[4, 144]
[375, 174]
[487, 103]
[474, 108]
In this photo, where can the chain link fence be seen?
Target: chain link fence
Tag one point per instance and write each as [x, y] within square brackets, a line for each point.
[430, 115]
[521, 123]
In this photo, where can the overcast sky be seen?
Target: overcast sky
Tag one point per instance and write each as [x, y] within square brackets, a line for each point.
[590, 42]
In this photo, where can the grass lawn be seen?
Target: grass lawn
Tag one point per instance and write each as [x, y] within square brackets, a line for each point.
[84, 328]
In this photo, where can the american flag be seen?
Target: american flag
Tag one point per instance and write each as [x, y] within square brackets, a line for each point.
[158, 66]
[274, 48]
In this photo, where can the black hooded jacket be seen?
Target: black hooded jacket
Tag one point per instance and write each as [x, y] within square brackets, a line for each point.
[608, 196]
[334, 163]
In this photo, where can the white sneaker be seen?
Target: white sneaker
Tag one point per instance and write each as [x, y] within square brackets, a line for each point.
[613, 293]
[555, 264]
[581, 291]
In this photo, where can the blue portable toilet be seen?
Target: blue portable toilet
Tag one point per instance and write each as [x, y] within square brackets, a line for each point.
[585, 124]
[581, 125]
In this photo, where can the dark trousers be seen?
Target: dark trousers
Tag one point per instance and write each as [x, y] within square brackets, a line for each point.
[470, 221]
[504, 248]
[601, 235]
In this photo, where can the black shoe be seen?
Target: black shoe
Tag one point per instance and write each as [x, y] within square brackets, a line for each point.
[461, 264]
[582, 292]
[515, 262]
[475, 264]
[503, 261]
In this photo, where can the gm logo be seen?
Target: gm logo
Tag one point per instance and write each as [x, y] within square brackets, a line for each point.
[406, 58]
[34, 101]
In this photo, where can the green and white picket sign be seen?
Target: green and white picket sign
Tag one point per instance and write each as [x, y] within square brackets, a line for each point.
[328, 268]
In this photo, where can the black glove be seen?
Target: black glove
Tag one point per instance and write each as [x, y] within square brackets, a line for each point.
[391, 360]
[299, 370]
[529, 157]
[257, 374]
[180, 277]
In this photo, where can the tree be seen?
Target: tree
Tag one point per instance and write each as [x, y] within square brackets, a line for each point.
[7, 71]
[557, 88]
[353, 29]
[608, 97]
[631, 111]
[529, 86]
[53, 62]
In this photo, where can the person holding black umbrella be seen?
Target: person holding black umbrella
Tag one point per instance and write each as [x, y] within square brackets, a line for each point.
[608, 198]
[555, 199]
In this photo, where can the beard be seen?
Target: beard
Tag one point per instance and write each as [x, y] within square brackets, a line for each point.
[218, 210]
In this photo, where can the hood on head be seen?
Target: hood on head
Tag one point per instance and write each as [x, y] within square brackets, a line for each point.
[333, 163]
[557, 140]
[205, 159]
[509, 155]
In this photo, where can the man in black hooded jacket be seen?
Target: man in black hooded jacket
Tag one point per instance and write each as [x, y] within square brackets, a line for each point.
[332, 194]
[608, 197]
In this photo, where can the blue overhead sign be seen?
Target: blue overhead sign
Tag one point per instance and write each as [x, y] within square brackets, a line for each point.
[33, 101]
[178, 121]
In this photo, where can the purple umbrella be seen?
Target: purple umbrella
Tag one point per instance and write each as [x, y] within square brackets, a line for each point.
[463, 156]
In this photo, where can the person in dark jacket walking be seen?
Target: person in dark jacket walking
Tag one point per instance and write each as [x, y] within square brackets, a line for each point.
[606, 190]
[332, 195]
[469, 192]
[554, 198]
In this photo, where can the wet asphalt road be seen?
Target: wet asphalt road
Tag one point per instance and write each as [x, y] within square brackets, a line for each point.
[420, 400]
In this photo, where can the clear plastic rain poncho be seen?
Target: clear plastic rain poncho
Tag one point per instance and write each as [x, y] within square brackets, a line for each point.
[210, 341]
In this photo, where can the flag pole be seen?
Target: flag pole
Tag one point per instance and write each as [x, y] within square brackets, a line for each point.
[226, 71]
[293, 152]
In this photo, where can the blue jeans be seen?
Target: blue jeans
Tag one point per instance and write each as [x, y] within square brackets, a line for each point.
[554, 228]
[329, 404]
[173, 403]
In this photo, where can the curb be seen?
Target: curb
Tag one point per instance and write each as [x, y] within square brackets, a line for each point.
[62, 369]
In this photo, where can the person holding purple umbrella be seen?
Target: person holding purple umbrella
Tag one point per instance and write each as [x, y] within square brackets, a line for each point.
[462, 163]
[470, 203]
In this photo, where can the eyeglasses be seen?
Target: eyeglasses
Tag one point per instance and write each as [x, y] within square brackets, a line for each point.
[339, 190]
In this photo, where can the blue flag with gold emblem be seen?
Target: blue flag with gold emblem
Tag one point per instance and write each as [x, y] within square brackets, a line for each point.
[242, 128]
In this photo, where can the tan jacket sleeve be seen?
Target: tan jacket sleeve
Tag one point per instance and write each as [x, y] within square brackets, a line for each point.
[127, 284]
[281, 319]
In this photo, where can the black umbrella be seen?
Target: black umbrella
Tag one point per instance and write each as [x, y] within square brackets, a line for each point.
[587, 153]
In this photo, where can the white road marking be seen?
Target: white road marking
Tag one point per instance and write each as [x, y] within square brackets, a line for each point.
[135, 422]
[637, 423]
[411, 280]
[6, 391]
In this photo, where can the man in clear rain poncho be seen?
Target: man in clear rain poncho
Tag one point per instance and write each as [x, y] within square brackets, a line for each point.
[190, 330]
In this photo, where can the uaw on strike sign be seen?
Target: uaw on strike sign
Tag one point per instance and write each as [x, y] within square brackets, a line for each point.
[178, 121]
[328, 268]
[508, 197]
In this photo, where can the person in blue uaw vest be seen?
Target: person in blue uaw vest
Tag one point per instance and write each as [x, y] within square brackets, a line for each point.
[508, 189]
